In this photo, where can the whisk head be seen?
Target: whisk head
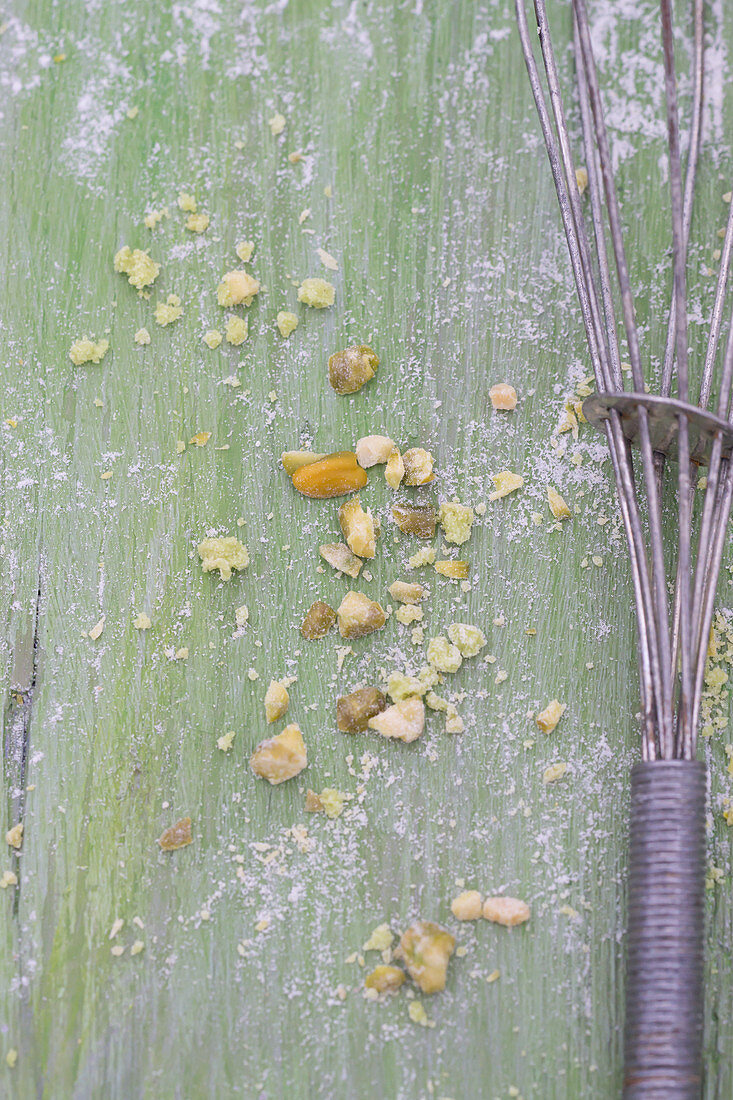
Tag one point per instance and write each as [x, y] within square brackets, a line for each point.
[672, 641]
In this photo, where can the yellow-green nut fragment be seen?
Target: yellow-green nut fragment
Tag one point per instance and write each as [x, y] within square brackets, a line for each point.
[286, 322]
[316, 293]
[224, 554]
[443, 655]
[350, 369]
[456, 520]
[468, 639]
[385, 979]
[426, 949]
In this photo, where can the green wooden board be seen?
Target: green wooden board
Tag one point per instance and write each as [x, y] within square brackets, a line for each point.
[452, 265]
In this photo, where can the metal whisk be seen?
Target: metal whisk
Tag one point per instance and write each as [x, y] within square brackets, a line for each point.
[664, 995]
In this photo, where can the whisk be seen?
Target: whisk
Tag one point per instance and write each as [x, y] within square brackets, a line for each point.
[664, 983]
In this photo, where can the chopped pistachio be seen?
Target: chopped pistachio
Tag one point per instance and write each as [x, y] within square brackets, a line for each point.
[418, 465]
[503, 396]
[456, 520]
[467, 906]
[469, 639]
[277, 701]
[88, 351]
[340, 557]
[415, 519]
[281, 757]
[286, 322]
[358, 528]
[548, 718]
[404, 592]
[176, 836]
[426, 949]
[385, 978]
[316, 293]
[354, 711]
[373, 450]
[394, 471]
[318, 621]
[507, 911]
[236, 288]
[358, 615]
[140, 269]
[352, 368]
[506, 482]
[558, 507]
[403, 721]
[224, 554]
[444, 656]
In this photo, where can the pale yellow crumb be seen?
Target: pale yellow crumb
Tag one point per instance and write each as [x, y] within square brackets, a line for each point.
[456, 520]
[553, 773]
[97, 629]
[281, 757]
[550, 716]
[581, 179]
[142, 336]
[244, 250]
[12, 1058]
[226, 741]
[140, 269]
[168, 311]
[132, 112]
[236, 288]
[200, 439]
[316, 293]
[505, 482]
[470, 640]
[467, 906]
[241, 615]
[142, 622]
[286, 322]
[506, 911]
[443, 655]
[327, 259]
[187, 203]
[237, 330]
[212, 338]
[197, 223]
[137, 947]
[503, 396]
[14, 836]
[225, 554]
[277, 124]
[276, 701]
[8, 878]
[558, 507]
[88, 351]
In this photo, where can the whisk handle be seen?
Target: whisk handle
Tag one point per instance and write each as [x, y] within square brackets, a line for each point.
[664, 973]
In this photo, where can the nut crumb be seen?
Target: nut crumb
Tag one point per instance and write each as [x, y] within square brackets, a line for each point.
[319, 620]
[358, 615]
[280, 758]
[352, 368]
[176, 836]
[467, 906]
[503, 396]
[548, 718]
[404, 721]
[506, 911]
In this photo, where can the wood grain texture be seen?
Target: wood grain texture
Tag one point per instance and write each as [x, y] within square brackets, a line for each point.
[419, 118]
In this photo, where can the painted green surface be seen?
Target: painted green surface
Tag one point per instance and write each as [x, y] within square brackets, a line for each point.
[451, 265]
